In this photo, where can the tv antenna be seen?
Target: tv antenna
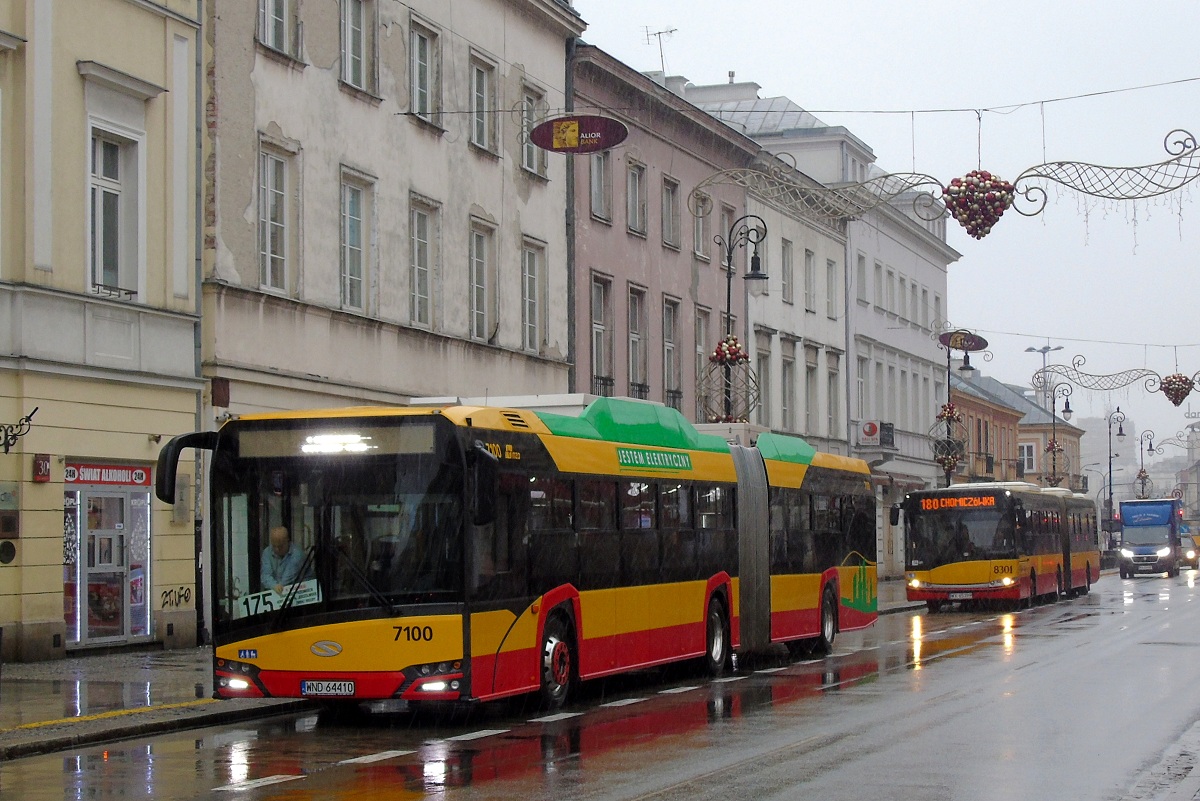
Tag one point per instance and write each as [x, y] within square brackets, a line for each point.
[659, 35]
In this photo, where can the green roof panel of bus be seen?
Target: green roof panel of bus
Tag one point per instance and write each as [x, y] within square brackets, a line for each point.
[785, 449]
[619, 420]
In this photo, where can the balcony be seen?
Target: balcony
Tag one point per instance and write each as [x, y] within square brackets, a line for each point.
[639, 391]
[674, 399]
[603, 385]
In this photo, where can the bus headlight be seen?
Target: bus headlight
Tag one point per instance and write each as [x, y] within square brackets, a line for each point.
[1006, 581]
[915, 584]
[1163, 551]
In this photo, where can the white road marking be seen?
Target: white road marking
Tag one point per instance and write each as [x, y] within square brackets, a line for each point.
[379, 757]
[263, 782]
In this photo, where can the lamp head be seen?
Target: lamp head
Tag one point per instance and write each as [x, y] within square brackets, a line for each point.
[756, 273]
[1121, 432]
[1067, 410]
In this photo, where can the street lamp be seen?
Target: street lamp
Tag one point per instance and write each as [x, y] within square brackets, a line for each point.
[948, 451]
[1057, 391]
[747, 229]
[1145, 485]
[1044, 349]
[1119, 418]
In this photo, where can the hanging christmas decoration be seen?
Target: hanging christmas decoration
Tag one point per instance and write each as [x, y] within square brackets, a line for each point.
[1177, 387]
[977, 200]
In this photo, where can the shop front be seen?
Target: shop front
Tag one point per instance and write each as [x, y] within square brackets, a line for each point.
[106, 554]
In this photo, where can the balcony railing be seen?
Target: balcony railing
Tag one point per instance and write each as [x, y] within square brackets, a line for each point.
[603, 385]
[639, 391]
[674, 399]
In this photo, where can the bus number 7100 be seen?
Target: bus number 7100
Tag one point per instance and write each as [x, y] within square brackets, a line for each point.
[413, 633]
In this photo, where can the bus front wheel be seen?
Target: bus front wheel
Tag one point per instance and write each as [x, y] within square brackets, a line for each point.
[558, 663]
[716, 638]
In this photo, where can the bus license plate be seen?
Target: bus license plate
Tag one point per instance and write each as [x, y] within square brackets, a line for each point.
[315, 687]
[960, 596]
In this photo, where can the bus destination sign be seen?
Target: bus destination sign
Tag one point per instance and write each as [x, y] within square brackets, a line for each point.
[958, 502]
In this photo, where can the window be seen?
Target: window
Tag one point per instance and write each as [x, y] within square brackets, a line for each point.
[272, 220]
[860, 390]
[483, 104]
[810, 393]
[901, 307]
[531, 277]
[878, 285]
[700, 334]
[277, 27]
[601, 185]
[422, 237]
[533, 158]
[671, 371]
[860, 278]
[354, 244]
[726, 223]
[831, 289]
[479, 260]
[762, 361]
[924, 307]
[937, 310]
[424, 99]
[637, 333]
[787, 392]
[635, 198]
[785, 268]
[1025, 457]
[602, 333]
[700, 238]
[890, 296]
[670, 213]
[833, 396]
[358, 43]
[810, 281]
[114, 215]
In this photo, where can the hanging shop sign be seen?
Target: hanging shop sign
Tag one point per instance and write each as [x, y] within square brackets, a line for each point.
[578, 133]
[963, 340]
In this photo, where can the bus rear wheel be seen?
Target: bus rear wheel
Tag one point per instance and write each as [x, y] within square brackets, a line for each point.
[716, 638]
[824, 641]
[557, 663]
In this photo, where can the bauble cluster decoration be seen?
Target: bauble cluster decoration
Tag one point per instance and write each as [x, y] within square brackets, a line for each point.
[1176, 387]
[1053, 447]
[948, 462]
[977, 200]
[729, 351]
[949, 412]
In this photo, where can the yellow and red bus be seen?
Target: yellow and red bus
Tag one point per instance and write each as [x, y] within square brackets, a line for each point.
[467, 553]
[998, 541]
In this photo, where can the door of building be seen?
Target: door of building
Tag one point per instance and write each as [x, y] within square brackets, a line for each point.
[106, 554]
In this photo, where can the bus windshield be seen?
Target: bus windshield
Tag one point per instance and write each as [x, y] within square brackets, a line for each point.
[939, 538]
[333, 516]
[1146, 535]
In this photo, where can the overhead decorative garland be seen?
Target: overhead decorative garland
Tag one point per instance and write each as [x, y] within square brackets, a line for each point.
[976, 200]
[1176, 386]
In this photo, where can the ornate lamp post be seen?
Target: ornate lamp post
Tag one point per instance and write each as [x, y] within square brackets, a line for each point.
[948, 449]
[1117, 417]
[1145, 485]
[749, 229]
[1055, 392]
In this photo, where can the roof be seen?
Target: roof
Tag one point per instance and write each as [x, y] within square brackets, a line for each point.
[1012, 396]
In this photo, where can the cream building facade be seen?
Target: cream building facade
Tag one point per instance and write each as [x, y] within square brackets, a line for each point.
[98, 320]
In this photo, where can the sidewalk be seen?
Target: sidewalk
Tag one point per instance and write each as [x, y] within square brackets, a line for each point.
[93, 698]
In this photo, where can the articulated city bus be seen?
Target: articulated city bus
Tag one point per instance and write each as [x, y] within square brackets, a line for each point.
[467, 553]
[998, 541]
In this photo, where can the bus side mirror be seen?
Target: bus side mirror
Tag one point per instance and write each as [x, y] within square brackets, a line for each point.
[485, 482]
[894, 515]
[168, 461]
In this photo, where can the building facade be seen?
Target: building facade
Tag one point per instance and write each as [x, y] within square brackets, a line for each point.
[651, 288]
[880, 380]
[98, 320]
[377, 223]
